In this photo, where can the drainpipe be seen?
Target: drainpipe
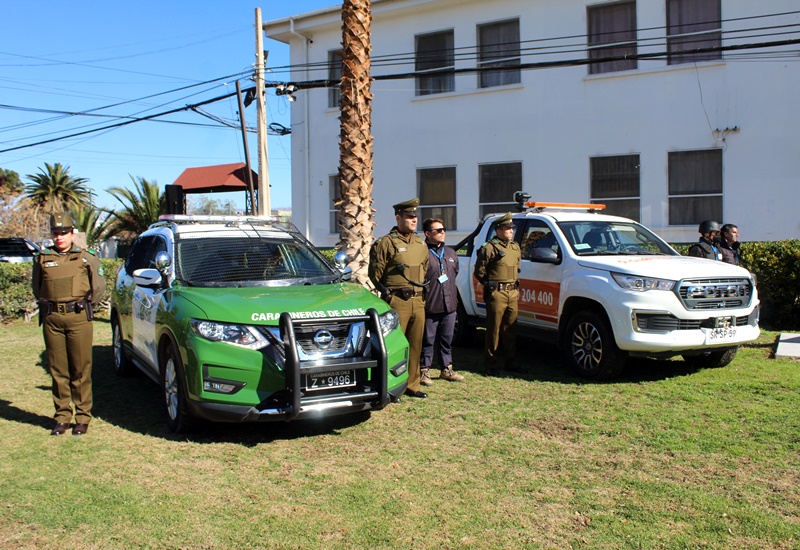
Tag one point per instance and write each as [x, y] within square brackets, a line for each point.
[306, 140]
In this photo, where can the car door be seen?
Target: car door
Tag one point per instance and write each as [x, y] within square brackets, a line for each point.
[539, 282]
[145, 305]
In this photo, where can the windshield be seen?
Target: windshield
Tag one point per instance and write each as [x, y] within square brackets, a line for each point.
[598, 238]
[243, 261]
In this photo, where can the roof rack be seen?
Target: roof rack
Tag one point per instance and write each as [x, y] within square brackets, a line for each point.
[538, 206]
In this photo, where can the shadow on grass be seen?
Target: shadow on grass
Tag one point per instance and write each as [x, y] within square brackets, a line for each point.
[134, 403]
[543, 362]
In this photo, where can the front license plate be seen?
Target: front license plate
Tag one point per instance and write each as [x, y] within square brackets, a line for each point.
[720, 335]
[328, 380]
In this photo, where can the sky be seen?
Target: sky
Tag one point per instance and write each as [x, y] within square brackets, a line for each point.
[143, 57]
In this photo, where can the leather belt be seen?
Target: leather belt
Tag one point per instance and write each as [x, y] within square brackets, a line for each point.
[65, 307]
[405, 293]
[508, 286]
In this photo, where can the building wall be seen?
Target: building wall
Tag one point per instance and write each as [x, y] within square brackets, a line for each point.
[556, 118]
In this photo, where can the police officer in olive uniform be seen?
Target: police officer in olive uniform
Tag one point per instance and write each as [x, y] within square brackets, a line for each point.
[497, 269]
[397, 266]
[68, 283]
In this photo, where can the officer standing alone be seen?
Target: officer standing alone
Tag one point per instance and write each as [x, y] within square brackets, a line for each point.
[497, 269]
[397, 266]
[68, 283]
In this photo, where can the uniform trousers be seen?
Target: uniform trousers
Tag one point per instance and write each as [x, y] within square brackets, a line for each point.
[68, 339]
[412, 321]
[439, 329]
[501, 328]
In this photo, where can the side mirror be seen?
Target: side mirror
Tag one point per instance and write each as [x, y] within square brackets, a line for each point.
[543, 255]
[347, 273]
[147, 277]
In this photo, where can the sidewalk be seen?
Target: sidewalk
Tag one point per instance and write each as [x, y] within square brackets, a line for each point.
[788, 346]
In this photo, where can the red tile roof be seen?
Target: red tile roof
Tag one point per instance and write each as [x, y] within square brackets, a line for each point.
[215, 179]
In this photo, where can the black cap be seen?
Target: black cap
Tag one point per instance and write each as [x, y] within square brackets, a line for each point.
[508, 219]
[409, 207]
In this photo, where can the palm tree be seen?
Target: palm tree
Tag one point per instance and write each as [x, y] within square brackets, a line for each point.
[55, 190]
[94, 222]
[355, 140]
[141, 208]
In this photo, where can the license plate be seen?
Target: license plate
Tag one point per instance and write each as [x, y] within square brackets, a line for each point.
[328, 380]
[720, 335]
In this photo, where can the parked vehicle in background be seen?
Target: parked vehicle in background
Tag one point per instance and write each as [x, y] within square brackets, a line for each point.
[16, 250]
[242, 319]
[604, 288]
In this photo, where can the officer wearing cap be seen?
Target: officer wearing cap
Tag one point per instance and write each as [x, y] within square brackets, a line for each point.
[497, 269]
[68, 283]
[397, 266]
[708, 244]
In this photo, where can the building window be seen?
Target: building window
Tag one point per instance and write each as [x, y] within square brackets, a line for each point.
[498, 46]
[615, 183]
[437, 194]
[334, 75]
[612, 33]
[435, 56]
[693, 24]
[498, 183]
[695, 186]
[335, 193]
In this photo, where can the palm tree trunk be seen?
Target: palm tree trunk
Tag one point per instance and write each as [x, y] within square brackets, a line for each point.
[355, 139]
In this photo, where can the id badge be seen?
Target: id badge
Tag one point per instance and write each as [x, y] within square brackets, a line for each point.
[443, 278]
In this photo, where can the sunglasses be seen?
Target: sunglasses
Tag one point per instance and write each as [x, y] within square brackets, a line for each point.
[409, 216]
[439, 230]
[60, 231]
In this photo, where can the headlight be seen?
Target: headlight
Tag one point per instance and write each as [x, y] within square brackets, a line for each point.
[640, 284]
[237, 335]
[388, 321]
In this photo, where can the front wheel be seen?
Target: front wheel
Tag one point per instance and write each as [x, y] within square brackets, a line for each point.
[590, 348]
[712, 359]
[172, 385]
[464, 333]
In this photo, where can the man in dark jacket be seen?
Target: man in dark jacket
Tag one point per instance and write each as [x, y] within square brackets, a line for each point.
[729, 243]
[441, 303]
[708, 245]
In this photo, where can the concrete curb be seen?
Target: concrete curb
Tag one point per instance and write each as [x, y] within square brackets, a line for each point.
[788, 346]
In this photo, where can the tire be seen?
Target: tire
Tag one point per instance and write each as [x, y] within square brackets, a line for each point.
[712, 359]
[174, 392]
[122, 363]
[464, 334]
[590, 349]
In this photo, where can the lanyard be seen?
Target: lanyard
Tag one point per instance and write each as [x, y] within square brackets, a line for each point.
[441, 258]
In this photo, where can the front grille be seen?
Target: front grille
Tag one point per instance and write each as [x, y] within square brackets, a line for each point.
[323, 339]
[715, 294]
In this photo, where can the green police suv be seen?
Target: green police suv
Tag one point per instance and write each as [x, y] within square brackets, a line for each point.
[242, 319]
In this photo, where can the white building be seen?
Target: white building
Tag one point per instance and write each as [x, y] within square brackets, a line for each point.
[667, 139]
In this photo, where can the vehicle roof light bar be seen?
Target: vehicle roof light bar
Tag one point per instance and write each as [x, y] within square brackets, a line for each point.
[177, 218]
[539, 206]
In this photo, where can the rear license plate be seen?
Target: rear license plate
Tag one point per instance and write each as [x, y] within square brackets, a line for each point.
[328, 380]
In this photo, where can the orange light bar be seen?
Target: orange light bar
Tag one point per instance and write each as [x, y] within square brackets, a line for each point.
[570, 205]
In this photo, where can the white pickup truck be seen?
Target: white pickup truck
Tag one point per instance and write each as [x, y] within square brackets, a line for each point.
[604, 288]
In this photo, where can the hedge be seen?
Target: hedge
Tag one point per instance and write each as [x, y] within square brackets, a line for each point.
[776, 265]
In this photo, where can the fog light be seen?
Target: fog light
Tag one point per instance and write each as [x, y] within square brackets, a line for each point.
[221, 386]
[399, 368]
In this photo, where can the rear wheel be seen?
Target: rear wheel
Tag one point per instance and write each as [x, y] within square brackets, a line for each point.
[712, 359]
[590, 348]
[172, 385]
[122, 364]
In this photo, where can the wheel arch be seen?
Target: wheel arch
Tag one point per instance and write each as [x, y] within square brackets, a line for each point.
[573, 305]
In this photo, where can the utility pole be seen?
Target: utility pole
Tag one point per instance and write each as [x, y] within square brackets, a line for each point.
[264, 208]
[248, 168]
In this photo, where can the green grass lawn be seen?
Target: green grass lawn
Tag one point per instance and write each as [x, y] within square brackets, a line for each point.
[666, 457]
